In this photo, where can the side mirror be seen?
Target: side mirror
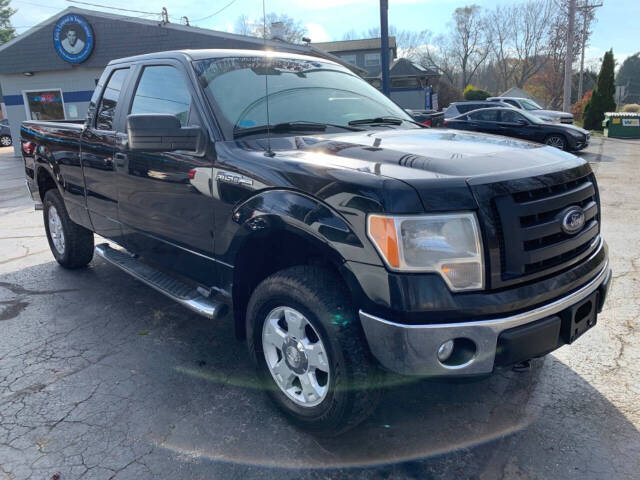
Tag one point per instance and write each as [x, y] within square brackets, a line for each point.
[157, 132]
[521, 122]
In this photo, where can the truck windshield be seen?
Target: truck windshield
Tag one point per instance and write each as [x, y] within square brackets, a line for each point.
[300, 90]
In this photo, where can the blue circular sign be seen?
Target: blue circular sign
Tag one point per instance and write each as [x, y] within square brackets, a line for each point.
[73, 38]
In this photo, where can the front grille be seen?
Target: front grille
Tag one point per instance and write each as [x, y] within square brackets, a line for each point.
[529, 225]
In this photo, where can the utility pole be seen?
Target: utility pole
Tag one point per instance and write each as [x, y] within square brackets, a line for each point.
[586, 12]
[568, 61]
[384, 46]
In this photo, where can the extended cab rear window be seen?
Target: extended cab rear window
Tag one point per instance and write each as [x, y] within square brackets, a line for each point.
[109, 101]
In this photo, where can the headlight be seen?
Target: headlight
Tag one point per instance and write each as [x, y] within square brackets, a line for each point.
[448, 244]
[575, 133]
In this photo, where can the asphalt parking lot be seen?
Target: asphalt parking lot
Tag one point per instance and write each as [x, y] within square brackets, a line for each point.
[102, 377]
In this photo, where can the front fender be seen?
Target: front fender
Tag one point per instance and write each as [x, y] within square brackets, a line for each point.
[275, 210]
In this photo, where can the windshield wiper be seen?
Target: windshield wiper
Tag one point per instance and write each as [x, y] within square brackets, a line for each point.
[378, 120]
[297, 126]
[384, 121]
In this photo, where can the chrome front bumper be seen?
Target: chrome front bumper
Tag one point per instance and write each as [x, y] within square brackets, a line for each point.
[412, 349]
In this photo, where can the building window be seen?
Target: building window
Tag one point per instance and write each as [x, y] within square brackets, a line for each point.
[349, 58]
[44, 104]
[371, 59]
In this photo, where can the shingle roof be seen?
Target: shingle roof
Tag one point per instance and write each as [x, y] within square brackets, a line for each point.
[120, 36]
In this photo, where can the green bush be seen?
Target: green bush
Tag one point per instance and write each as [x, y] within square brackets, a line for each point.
[475, 93]
[631, 107]
[603, 96]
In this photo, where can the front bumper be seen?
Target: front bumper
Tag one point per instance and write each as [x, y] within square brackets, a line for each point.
[412, 349]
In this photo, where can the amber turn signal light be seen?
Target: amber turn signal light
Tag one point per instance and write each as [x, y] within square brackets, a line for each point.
[382, 230]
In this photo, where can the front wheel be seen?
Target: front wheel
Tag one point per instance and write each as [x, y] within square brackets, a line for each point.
[310, 351]
[557, 141]
[70, 243]
[6, 141]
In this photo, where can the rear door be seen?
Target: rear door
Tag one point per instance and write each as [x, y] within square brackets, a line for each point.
[165, 202]
[485, 120]
[98, 147]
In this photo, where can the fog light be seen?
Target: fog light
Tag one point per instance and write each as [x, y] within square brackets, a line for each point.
[445, 350]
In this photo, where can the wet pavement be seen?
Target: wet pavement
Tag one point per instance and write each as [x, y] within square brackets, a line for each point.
[102, 377]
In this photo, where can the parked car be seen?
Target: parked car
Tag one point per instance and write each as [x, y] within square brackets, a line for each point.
[344, 237]
[535, 109]
[521, 124]
[5, 133]
[457, 108]
[428, 118]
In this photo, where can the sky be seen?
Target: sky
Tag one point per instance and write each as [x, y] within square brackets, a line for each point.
[616, 22]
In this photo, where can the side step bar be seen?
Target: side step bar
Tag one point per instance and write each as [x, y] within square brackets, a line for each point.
[173, 288]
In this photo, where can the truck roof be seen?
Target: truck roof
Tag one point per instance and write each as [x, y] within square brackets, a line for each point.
[203, 54]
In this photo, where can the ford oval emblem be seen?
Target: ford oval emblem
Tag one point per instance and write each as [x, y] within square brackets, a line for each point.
[573, 220]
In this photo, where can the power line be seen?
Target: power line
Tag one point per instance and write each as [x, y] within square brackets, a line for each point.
[39, 5]
[113, 8]
[214, 13]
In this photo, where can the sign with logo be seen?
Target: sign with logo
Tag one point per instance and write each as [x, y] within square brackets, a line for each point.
[631, 122]
[73, 38]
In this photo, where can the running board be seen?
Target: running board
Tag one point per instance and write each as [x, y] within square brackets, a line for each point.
[173, 288]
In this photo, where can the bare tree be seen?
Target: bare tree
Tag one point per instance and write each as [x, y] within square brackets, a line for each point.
[500, 24]
[519, 33]
[244, 26]
[436, 54]
[531, 27]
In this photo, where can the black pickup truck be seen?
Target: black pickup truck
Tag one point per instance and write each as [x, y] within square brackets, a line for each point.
[346, 239]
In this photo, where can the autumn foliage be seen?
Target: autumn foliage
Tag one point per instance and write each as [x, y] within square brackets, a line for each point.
[578, 108]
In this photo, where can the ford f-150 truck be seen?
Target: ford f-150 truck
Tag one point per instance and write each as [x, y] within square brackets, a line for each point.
[346, 239]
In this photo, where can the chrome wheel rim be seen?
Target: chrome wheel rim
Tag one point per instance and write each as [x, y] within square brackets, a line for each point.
[5, 141]
[296, 357]
[555, 142]
[56, 231]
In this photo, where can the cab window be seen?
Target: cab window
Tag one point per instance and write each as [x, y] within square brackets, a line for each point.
[162, 89]
[109, 101]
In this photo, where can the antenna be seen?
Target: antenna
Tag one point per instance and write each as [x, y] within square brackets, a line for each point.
[269, 152]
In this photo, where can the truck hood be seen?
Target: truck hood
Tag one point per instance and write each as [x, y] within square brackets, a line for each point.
[439, 153]
[440, 164]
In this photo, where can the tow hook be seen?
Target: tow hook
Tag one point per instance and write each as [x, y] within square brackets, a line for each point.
[522, 367]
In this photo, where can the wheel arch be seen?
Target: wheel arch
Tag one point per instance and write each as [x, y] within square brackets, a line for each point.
[281, 229]
[45, 180]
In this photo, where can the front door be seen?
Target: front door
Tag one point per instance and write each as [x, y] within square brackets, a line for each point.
[97, 153]
[514, 124]
[165, 202]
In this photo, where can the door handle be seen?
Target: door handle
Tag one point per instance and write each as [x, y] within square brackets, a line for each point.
[121, 159]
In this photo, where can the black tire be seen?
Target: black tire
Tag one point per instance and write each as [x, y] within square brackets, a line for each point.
[319, 295]
[556, 140]
[5, 141]
[78, 241]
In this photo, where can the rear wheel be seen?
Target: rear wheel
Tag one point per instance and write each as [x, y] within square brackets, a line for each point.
[310, 351]
[6, 141]
[557, 141]
[70, 243]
